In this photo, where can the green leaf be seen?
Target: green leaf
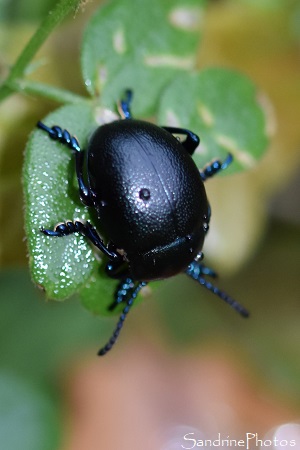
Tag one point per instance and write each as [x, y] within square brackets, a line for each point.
[59, 266]
[139, 46]
[27, 416]
[98, 293]
[221, 106]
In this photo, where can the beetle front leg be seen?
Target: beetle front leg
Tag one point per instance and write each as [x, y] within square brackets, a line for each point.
[192, 140]
[87, 230]
[211, 169]
[58, 134]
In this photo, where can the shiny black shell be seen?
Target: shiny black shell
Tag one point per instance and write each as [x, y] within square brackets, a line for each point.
[149, 197]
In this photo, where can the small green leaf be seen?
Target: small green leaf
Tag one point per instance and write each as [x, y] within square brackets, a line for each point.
[97, 294]
[222, 107]
[59, 265]
[132, 45]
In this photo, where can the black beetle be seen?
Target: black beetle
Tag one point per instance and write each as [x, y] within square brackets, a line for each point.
[150, 200]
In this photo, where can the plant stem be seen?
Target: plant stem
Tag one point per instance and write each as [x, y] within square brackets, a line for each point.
[45, 90]
[54, 17]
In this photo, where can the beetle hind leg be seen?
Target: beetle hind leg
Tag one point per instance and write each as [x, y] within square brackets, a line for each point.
[129, 293]
[198, 271]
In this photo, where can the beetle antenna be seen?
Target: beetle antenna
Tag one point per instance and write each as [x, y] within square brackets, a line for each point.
[124, 105]
[122, 318]
[195, 272]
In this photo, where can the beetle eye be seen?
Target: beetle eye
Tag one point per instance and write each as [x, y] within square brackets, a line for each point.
[144, 194]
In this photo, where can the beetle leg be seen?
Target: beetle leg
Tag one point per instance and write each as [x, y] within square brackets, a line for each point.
[211, 169]
[63, 136]
[84, 192]
[196, 271]
[87, 230]
[129, 303]
[124, 105]
[192, 140]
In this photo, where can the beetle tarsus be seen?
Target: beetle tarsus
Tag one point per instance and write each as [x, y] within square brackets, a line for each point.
[214, 167]
[58, 134]
[86, 229]
[227, 161]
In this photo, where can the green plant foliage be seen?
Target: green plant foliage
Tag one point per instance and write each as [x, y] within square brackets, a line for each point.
[16, 73]
[131, 45]
[222, 107]
[59, 266]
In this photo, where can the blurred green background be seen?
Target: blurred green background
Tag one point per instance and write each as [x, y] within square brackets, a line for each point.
[185, 362]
